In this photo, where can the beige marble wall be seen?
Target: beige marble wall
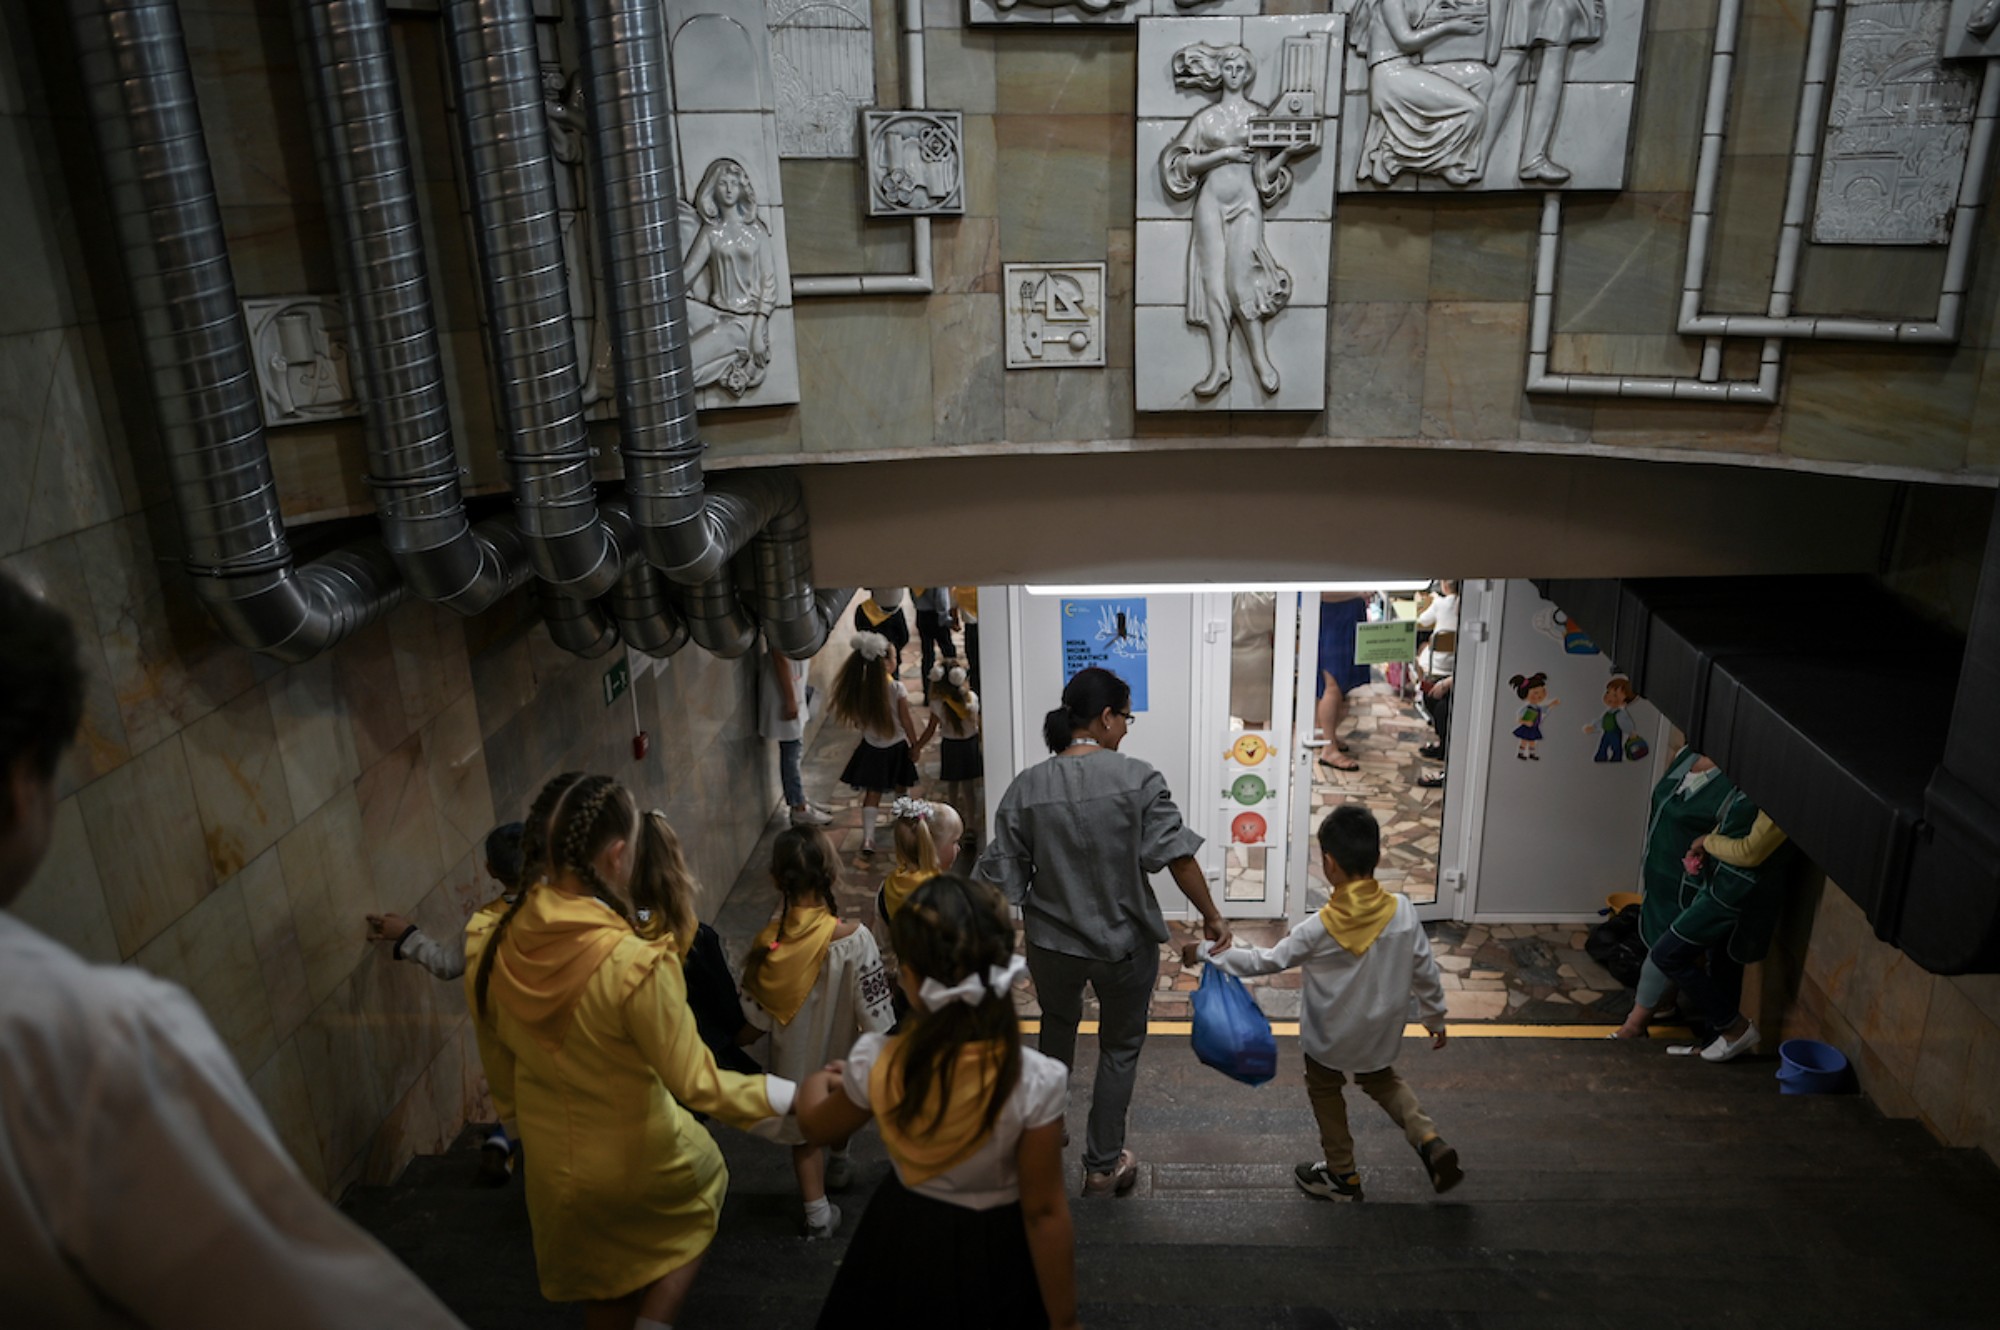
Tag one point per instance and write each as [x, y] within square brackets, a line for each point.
[1924, 1046]
[225, 822]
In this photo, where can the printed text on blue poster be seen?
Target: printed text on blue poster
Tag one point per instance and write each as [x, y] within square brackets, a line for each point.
[1110, 634]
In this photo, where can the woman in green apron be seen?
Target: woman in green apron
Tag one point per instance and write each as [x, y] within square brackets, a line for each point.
[1685, 804]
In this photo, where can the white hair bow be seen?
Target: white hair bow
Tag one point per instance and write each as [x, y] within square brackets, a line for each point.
[870, 646]
[974, 988]
[911, 808]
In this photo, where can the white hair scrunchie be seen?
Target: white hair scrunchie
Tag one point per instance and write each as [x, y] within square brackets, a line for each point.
[910, 808]
[974, 988]
[870, 646]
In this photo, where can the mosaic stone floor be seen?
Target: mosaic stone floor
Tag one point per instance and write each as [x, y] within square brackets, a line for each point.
[1513, 972]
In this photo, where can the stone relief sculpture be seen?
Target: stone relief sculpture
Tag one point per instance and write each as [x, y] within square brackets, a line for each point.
[1233, 282]
[1984, 20]
[1898, 129]
[1235, 208]
[915, 163]
[1053, 314]
[732, 209]
[1095, 13]
[299, 347]
[562, 99]
[823, 59]
[1451, 87]
[1972, 31]
[732, 281]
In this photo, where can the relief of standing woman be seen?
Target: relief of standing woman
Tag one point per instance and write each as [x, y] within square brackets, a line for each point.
[1232, 278]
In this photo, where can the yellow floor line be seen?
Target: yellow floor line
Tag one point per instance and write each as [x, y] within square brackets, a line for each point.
[1469, 1030]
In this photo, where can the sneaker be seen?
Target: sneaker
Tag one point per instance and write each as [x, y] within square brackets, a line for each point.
[839, 1172]
[1431, 780]
[807, 816]
[1441, 1161]
[1314, 1180]
[1435, 752]
[814, 1232]
[496, 1165]
[1118, 1182]
[1725, 1049]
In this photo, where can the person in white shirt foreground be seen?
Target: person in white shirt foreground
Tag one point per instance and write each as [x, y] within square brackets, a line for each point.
[1364, 955]
[140, 1182]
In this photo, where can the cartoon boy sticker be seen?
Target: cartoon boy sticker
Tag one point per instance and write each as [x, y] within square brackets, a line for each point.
[1615, 726]
[1533, 690]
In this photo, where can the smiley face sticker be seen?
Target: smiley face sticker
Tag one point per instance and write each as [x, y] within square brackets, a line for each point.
[1249, 789]
[1249, 750]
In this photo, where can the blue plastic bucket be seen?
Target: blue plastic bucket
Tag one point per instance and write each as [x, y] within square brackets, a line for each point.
[1806, 1066]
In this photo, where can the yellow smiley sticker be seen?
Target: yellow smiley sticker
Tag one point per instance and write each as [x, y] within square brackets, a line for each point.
[1250, 750]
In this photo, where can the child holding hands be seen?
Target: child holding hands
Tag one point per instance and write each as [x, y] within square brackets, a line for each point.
[1363, 955]
[973, 1224]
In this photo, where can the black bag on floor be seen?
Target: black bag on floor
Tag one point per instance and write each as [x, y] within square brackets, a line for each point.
[1615, 944]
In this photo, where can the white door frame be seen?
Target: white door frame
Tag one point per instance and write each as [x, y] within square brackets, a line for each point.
[1475, 683]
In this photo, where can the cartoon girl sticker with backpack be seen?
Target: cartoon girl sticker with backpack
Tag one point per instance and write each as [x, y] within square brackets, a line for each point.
[1533, 690]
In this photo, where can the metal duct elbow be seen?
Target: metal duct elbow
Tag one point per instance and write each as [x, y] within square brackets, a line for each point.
[796, 618]
[577, 626]
[646, 619]
[716, 618]
[133, 62]
[357, 118]
[517, 240]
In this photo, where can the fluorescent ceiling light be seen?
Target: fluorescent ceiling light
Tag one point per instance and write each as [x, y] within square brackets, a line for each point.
[1201, 588]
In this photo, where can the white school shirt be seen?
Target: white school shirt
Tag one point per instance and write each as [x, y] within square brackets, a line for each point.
[850, 997]
[988, 1177]
[140, 1182]
[950, 723]
[1353, 1008]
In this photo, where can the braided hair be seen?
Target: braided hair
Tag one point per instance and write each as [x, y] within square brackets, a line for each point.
[597, 812]
[949, 928]
[534, 867]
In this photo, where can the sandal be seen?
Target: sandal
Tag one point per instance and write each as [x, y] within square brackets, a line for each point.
[1335, 765]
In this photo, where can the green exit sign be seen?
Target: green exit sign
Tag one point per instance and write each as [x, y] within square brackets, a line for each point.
[616, 680]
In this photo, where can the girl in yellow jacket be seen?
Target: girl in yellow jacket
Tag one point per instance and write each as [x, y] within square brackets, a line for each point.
[584, 1030]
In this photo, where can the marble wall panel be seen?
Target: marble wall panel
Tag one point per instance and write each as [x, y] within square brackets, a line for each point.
[982, 174]
[399, 826]
[1546, 419]
[315, 732]
[365, 673]
[280, 1086]
[35, 211]
[863, 364]
[65, 899]
[460, 791]
[1951, 1023]
[210, 952]
[55, 571]
[268, 907]
[1054, 202]
[1375, 370]
[1640, 354]
[318, 470]
[239, 781]
[279, 249]
[503, 680]
[1879, 281]
[331, 888]
[1059, 404]
[428, 642]
[65, 477]
[965, 255]
[147, 840]
[1484, 249]
[1889, 404]
[1381, 251]
[966, 371]
[1688, 425]
[336, 1051]
[1473, 362]
[1983, 451]
[967, 63]
[1053, 74]
[1770, 65]
[1621, 264]
[253, 107]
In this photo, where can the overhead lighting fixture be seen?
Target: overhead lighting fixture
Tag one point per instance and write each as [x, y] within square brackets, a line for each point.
[1202, 588]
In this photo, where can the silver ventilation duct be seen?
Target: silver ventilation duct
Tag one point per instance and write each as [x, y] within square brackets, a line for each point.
[796, 618]
[133, 62]
[646, 618]
[496, 79]
[357, 116]
[716, 618]
[577, 626]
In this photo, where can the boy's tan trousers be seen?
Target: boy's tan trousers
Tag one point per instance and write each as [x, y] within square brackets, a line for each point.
[1385, 1087]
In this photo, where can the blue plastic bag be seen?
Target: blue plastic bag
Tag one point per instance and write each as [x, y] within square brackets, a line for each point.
[1230, 1031]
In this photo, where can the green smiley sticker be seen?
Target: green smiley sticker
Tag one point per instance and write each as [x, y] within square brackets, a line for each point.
[1249, 789]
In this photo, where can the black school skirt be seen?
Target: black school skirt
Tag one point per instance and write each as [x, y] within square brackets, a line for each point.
[960, 759]
[883, 769]
[915, 1261]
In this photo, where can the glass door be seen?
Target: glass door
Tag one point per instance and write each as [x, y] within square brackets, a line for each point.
[1249, 646]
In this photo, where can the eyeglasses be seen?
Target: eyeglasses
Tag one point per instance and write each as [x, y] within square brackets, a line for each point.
[1125, 716]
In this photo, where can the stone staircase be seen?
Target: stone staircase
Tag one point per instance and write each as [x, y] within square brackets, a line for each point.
[1606, 1185]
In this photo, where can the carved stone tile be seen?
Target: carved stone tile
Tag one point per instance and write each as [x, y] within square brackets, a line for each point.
[1972, 30]
[1096, 13]
[916, 163]
[1484, 96]
[1054, 314]
[1898, 127]
[299, 347]
[823, 60]
[732, 216]
[1237, 137]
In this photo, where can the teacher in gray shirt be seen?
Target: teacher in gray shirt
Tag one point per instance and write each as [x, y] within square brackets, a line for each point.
[1072, 843]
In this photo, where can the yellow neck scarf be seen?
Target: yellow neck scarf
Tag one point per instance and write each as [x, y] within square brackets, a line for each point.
[789, 955]
[547, 957]
[1356, 914]
[896, 888]
[934, 1150]
[876, 614]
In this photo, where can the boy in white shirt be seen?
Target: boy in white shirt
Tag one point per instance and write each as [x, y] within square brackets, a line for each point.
[1364, 955]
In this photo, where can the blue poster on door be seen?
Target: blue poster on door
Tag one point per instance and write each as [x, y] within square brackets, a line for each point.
[1109, 634]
